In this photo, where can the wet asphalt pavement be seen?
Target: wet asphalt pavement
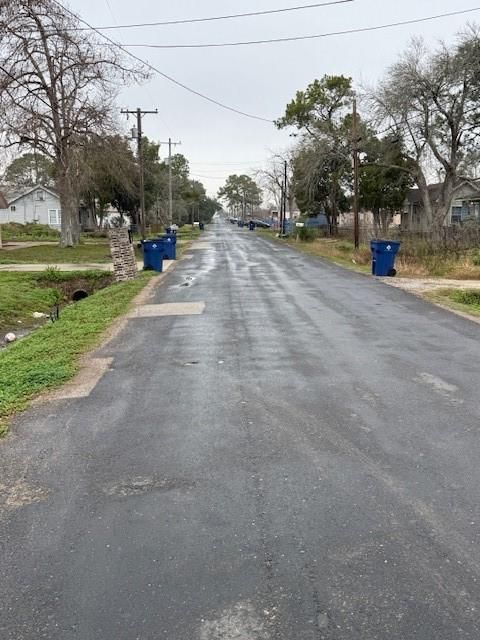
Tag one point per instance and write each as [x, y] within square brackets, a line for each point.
[299, 462]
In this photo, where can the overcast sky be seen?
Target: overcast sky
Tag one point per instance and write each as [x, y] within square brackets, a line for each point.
[258, 79]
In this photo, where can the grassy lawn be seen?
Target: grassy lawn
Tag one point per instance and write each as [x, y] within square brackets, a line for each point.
[49, 356]
[31, 232]
[89, 251]
[466, 300]
[21, 294]
[55, 254]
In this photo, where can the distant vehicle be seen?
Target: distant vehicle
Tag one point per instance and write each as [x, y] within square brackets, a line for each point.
[262, 224]
[233, 220]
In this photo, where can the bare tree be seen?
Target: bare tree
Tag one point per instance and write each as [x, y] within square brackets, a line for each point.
[272, 177]
[431, 100]
[57, 86]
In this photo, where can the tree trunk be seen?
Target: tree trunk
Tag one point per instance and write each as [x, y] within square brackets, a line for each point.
[386, 218]
[377, 226]
[70, 227]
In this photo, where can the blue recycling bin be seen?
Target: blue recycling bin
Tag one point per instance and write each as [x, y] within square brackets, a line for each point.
[168, 246]
[152, 255]
[251, 225]
[240, 223]
[384, 253]
[201, 226]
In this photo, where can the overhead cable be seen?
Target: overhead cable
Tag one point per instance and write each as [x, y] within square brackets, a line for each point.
[329, 34]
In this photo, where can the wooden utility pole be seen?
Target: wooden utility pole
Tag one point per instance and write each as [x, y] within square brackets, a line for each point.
[170, 179]
[137, 134]
[285, 196]
[356, 164]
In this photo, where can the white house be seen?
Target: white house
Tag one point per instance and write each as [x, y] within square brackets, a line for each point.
[36, 204]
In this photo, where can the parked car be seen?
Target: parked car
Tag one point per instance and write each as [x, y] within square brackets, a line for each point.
[262, 224]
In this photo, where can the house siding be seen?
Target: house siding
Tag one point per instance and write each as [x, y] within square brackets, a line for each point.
[28, 208]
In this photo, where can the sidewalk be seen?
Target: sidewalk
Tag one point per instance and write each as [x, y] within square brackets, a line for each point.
[69, 266]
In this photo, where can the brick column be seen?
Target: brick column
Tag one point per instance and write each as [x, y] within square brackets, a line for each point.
[123, 254]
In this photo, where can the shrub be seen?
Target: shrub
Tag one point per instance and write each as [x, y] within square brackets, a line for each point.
[28, 231]
[468, 296]
[344, 247]
[51, 274]
[476, 259]
[307, 234]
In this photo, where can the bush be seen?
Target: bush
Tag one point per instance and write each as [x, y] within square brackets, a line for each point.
[344, 247]
[306, 234]
[99, 233]
[30, 231]
[468, 296]
[476, 259]
[51, 274]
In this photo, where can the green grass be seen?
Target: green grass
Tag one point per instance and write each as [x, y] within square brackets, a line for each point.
[23, 293]
[54, 254]
[31, 232]
[50, 356]
[465, 300]
[20, 296]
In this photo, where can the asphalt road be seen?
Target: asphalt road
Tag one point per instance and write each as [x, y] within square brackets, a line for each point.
[299, 461]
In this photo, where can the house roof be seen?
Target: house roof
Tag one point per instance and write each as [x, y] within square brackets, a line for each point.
[21, 194]
[414, 195]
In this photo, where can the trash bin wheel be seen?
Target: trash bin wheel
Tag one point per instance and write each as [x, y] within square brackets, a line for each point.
[392, 273]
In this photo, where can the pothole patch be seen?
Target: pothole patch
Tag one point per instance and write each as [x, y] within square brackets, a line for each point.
[168, 309]
[20, 495]
[141, 485]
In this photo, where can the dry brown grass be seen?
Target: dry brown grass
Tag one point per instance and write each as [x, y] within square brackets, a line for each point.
[413, 262]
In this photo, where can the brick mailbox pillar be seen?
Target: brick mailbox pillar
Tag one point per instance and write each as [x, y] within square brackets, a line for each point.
[123, 254]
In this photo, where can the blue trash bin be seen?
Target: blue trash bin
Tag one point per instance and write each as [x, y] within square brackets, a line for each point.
[152, 255]
[169, 246]
[383, 257]
[251, 225]
[201, 226]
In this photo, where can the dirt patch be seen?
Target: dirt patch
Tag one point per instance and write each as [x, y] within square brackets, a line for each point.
[422, 285]
[20, 495]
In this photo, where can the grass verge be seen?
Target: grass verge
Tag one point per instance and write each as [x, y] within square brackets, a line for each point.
[21, 294]
[50, 356]
[336, 250]
[461, 267]
[54, 254]
[464, 300]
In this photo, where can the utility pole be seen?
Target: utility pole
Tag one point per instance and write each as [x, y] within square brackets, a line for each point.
[356, 164]
[285, 192]
[137, 134]
[170, 179]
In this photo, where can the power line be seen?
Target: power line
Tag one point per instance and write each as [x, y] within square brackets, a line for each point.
[223, 164]
[196, 175]
[162, 74]
[330, 34]
[215, 18]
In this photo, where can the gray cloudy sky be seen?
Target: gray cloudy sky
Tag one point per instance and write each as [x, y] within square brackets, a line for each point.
[258, 79]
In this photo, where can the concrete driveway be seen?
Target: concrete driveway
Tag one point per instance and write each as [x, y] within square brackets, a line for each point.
[278, 449]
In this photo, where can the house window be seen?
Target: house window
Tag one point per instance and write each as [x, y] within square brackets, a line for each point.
[456, 215]
[13, 208]
[40, 195]
[54, 217]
